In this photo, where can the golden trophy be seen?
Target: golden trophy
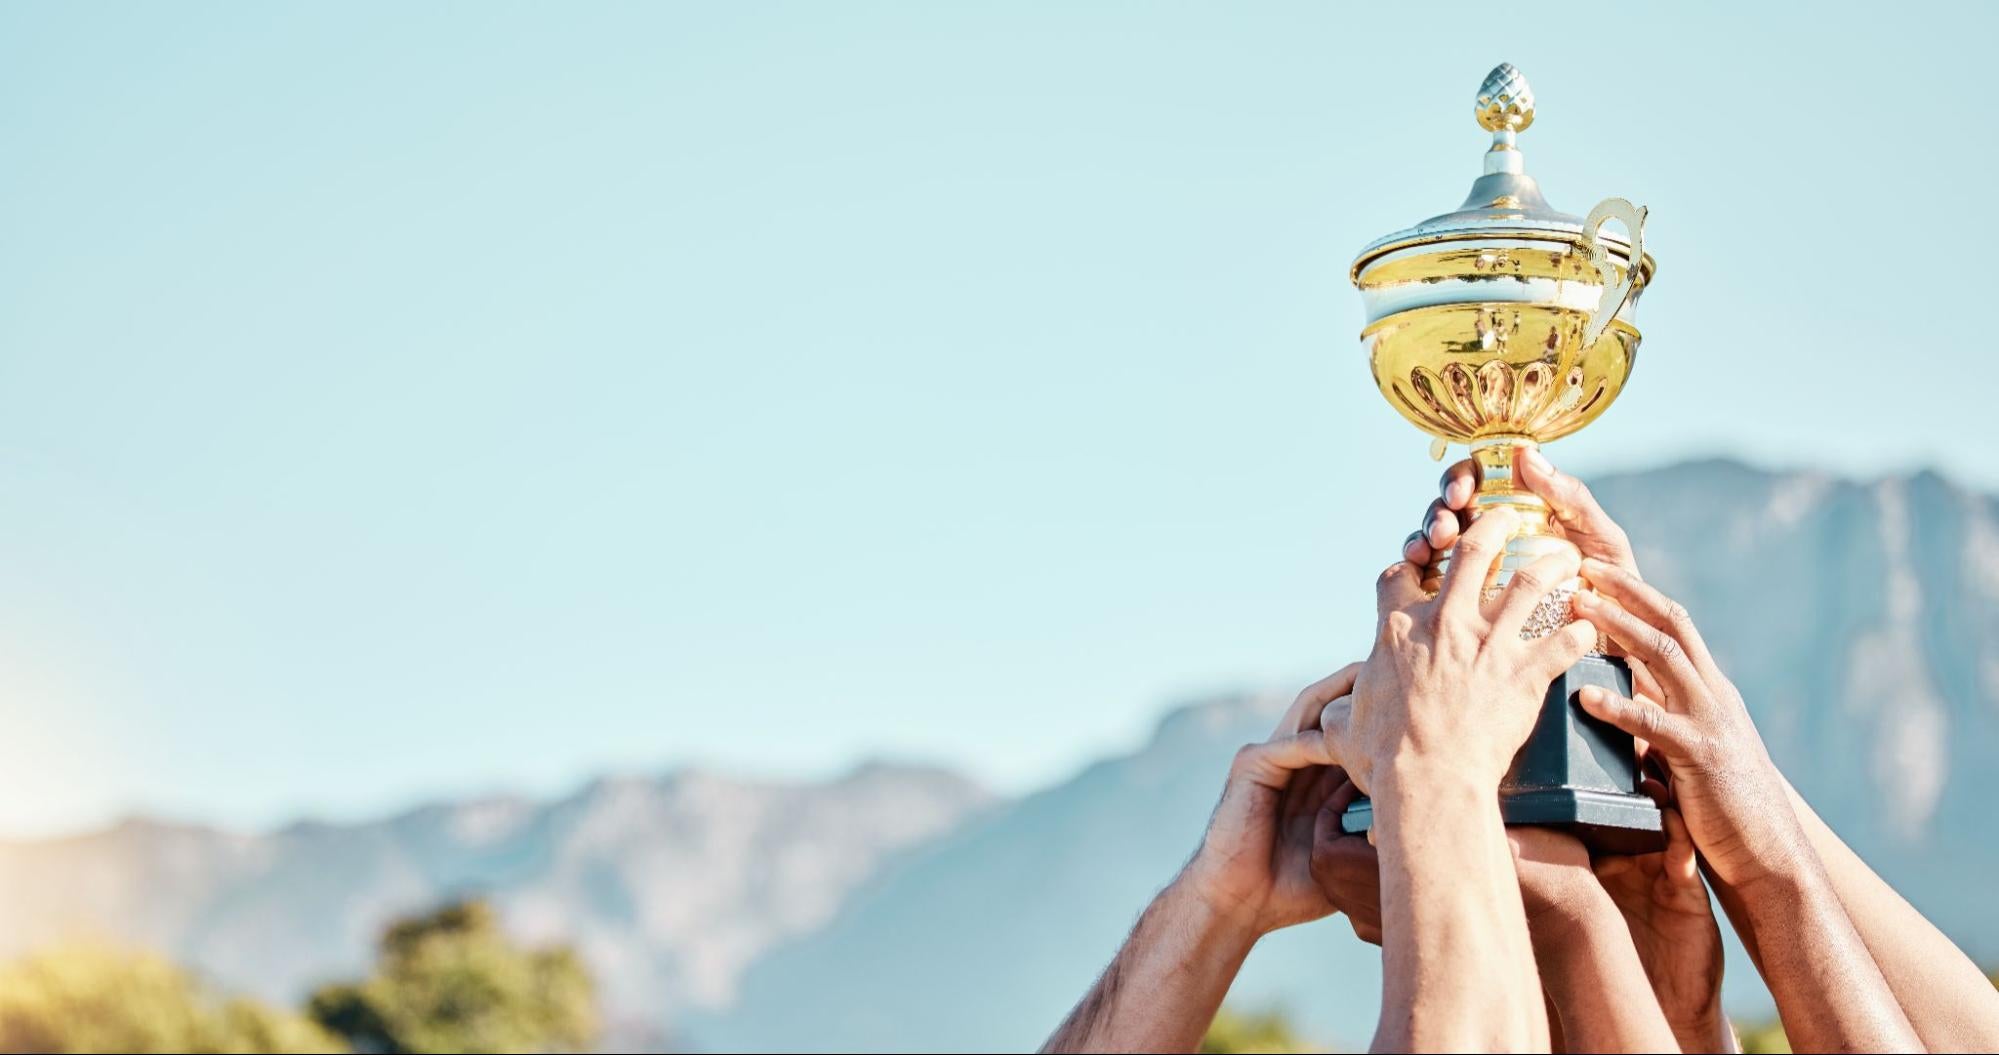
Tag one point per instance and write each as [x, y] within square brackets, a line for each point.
[1507, 324]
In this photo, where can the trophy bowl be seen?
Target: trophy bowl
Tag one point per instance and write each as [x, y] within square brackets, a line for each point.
[1482, 370]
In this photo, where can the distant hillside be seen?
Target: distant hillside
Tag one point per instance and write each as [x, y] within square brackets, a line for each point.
[670, 886]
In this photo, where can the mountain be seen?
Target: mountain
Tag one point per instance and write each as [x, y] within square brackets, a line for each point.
[670, 887]
[1860, 620]
[901, 908]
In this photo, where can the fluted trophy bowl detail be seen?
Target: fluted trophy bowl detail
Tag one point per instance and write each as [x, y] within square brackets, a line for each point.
[1467, 373]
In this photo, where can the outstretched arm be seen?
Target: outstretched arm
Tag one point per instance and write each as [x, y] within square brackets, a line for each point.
[1829, 992]
[1161, 991]
[1435, 718]
[1949, 1001]
[1251, 875]
[1457, 970]
[1589, 966]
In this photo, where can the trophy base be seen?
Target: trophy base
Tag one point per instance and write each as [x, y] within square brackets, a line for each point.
[1574, 772]
[1608, 824]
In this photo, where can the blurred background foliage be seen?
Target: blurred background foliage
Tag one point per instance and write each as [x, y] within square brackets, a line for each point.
[450, 980]
[1268, 1030]
[91, 997]
[446, 981]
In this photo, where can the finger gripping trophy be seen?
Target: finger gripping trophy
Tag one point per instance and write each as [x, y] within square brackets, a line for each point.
[1507, 324]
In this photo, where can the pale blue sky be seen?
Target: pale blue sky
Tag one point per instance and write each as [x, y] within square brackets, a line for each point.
[401, 400]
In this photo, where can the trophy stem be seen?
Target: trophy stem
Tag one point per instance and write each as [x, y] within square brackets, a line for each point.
[1534, 538]
[1496, 486]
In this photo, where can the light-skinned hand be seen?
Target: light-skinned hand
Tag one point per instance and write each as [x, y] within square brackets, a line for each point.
[1255, 861]
[1451, 688]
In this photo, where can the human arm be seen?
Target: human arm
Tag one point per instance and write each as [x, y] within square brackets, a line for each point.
[1251, 875]
[1162, 989]
[1594, 979]
[1437, 713]
[1457, 967]
[1589, 965]
[1828, 989]
[1949, 1001]
[1665, 907]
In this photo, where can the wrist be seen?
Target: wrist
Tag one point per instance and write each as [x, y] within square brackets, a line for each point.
[1779, 862]
[1568, 942]
[1789, 877]
[1566, 903]
[1203, 907]
[1429, 779]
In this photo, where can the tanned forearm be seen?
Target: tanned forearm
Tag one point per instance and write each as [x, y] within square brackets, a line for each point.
[1161, 991]
[1594, 979]
[1948, 1000]
[1457, 968]
[1829, 993]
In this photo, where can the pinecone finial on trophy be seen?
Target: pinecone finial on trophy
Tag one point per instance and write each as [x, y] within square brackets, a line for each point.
[1505, 101]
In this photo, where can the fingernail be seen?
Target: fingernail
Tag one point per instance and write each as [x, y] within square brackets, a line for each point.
[1538, 460]
[1589, 694]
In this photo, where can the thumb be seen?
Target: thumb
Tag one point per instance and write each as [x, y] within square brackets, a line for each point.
[1272, 762]
[1574, 508]
[1334, 724]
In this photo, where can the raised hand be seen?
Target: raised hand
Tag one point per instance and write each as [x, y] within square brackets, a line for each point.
[1450, 679]
[1723, 781]
[1830, 992]
[1255, 861]
[1576, 512]
[1436, 715]
[1252, 875]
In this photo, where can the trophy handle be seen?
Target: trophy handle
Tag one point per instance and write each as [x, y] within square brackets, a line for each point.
[1615, 290]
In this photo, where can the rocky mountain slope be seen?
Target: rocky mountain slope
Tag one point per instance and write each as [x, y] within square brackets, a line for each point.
[670, 887]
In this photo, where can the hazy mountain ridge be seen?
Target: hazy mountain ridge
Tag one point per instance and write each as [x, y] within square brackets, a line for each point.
[669, 886]
[904, 909]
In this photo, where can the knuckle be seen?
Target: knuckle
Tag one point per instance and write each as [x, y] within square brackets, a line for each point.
[1649, 720]
[1665, 646]
[1530, 581]
[1246, 758]
[1678, 617]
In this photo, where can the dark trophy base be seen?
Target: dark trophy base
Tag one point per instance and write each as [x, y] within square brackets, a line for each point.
[1574, 772]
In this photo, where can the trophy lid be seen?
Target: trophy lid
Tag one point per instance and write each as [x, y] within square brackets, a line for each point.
[1505, 201]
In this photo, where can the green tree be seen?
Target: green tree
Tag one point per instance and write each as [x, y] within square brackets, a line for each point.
[1252, 1031]
[92, 998]
[1763, 1038]
[452, 981]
